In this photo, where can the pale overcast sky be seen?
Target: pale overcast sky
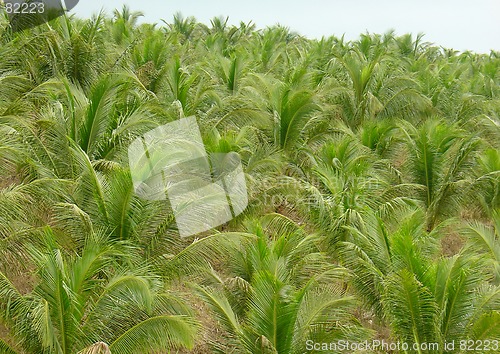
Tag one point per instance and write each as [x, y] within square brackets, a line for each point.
[458, 24]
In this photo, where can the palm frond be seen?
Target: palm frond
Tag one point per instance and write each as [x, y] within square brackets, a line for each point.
[154, 334]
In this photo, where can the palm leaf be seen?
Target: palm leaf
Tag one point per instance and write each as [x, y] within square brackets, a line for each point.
[154, 334]
[6, 349]
[411, 308]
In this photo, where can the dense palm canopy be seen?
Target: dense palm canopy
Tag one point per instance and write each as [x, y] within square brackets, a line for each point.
[373, 175]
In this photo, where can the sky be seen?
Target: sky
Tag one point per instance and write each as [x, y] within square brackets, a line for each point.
[457, 24]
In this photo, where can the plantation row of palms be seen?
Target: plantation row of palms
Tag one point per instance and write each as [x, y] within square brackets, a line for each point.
[373, 175]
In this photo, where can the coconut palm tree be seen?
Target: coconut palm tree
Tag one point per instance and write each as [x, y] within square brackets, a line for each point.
[123, 23]
[486, 187]
[353, 183]
[85, 298]
[382, 151]
[440, 160]
[183, 27]
[483, 240]
[423, 300]
[290, 108]
[280, 291]
[367, 84]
